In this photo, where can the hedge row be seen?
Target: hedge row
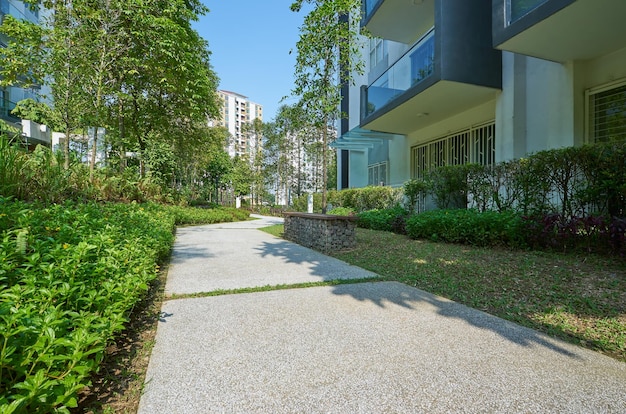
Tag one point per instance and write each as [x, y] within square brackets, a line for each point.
[572, 182]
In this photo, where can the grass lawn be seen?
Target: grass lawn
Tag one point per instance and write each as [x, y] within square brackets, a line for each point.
[578, 298]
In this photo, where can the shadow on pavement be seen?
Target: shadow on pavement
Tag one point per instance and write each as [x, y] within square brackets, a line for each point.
[406, 296]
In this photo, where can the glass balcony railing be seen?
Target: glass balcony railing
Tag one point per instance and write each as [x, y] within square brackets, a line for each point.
[519, 8]
[413, 67]
[22, 11]
[5, 111]
[369, 6]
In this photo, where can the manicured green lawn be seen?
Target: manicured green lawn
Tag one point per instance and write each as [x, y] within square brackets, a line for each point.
[580, 298]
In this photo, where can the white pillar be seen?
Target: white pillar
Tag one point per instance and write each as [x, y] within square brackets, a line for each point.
[310, 203]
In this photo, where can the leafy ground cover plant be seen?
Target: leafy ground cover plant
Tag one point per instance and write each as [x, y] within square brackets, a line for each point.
[70, 274]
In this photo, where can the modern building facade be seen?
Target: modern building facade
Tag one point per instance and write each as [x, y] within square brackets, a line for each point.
[32, 133]
[238, 114]
[455, 81]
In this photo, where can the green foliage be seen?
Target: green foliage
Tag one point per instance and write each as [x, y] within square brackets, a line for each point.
[366, 198]
[301, 203]
[389, 219]
[413, 189]
[488, 228]
[328, 49]
[12, 164]
[192, 216]
[342, 211]
[70, 274]
[449, 185]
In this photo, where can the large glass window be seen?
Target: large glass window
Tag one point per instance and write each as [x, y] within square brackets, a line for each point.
[377, 174]
[607, 114]
[378, 51]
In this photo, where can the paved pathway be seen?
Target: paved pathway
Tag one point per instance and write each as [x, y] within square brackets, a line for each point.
[356, 348]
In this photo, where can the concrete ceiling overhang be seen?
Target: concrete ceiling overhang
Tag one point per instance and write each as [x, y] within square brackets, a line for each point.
[584, 30]
[434, 104]
[359, 139]
[401, 20]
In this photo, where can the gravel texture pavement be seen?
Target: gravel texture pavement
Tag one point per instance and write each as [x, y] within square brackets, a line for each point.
[357, 348]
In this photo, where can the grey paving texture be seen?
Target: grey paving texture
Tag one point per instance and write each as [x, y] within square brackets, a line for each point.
[357, 348]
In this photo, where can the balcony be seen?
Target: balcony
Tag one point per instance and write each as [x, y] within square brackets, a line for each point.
[559, 30]
[412, 68]
[401, 21]
[5, 111]
[452, 68]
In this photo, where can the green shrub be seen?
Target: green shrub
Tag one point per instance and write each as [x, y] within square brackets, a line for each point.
[341, 211]
[195, 215]
[301, 203]
[366, 198]
[488, 228]
[390, 219]
[413, 190]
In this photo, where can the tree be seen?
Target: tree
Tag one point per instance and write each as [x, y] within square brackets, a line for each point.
[135, 67]
[254, 133]
[326, 51]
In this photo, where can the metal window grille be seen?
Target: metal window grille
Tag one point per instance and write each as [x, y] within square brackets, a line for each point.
[607, 115]
[472, 145]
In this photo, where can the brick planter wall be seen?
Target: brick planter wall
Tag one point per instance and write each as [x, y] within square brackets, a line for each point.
[321, 232]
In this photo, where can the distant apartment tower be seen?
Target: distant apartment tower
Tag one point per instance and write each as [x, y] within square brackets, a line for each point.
[238, 115]
[32, 133]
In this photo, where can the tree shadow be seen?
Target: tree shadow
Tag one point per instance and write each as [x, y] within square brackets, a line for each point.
[385, 293]
[313, 262]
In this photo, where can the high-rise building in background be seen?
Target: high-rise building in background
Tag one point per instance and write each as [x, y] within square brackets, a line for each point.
[238, 114]
[31, 132]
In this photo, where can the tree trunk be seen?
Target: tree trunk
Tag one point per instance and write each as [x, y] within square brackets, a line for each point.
[324, 167]
[94, 152]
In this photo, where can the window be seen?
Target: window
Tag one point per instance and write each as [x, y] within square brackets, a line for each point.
[378, 51]
[377, 174]
[472, 145]
[607, 113]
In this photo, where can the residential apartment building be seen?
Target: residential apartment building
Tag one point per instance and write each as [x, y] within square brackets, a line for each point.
[31, 132]
[455, 81]
[238, 115]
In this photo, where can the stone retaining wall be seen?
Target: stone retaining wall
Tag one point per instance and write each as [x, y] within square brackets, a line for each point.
[322, 232]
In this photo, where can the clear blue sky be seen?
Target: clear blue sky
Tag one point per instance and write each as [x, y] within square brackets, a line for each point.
[250, 42]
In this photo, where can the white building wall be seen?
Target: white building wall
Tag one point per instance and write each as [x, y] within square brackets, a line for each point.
[543, 104]
[358, 169]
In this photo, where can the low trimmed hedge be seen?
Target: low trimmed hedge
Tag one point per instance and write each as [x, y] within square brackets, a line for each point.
[472, 227]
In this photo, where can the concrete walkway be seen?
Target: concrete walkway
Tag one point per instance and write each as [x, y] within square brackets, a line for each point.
[353, 348]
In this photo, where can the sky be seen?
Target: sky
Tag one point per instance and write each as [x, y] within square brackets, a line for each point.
[250, 41]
